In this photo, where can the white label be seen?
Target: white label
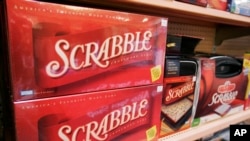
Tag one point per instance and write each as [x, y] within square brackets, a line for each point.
[159, 88]
[28, 92]
[164, 23]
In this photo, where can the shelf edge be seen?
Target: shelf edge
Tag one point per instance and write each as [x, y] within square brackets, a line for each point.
[208, 128]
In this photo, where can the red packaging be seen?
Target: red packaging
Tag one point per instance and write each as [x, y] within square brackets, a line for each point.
[202, 3]
[218, 4]
[178, 97]
[246, 67]
[122, 114]
[222, 89]
[59, 49]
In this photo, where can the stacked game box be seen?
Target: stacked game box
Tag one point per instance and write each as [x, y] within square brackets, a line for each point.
[181, 77]
[57, 49]
[80, 73]
[125, 115]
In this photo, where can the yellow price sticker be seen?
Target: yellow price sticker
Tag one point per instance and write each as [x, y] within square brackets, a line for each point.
[246, 63]
[155, 73]
[151, 133]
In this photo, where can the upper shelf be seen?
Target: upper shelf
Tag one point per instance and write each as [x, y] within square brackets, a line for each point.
[171, 8]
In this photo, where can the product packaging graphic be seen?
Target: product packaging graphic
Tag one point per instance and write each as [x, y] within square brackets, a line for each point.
[246, 67]
[57, 49]
[241, 7]
[180, 89]
[218, 4]
[202, 3]
[123, 114]
[222, 89]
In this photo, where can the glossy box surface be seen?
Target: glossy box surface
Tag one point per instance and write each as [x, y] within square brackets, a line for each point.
[60, 49]
[180, 89]
[222, 89]
[124, 114]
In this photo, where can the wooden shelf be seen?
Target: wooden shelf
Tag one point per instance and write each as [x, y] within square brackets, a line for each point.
[209, 128]
[198, 12]
[171, 8]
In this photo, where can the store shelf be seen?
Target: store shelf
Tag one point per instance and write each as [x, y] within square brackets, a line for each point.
[172, 8]
[207, 129]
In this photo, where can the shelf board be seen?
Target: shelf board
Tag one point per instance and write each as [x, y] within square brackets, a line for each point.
[208, 128]
[201, 13]
[170, 8]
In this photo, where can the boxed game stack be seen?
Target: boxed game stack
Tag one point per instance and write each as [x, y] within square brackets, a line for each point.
[81, 73]
[222, 88]
[180, 84]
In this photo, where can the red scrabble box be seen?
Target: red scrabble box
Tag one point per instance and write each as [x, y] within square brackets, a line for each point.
[57, 49]
[222, 89]
[180, 89]
[122, 114]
